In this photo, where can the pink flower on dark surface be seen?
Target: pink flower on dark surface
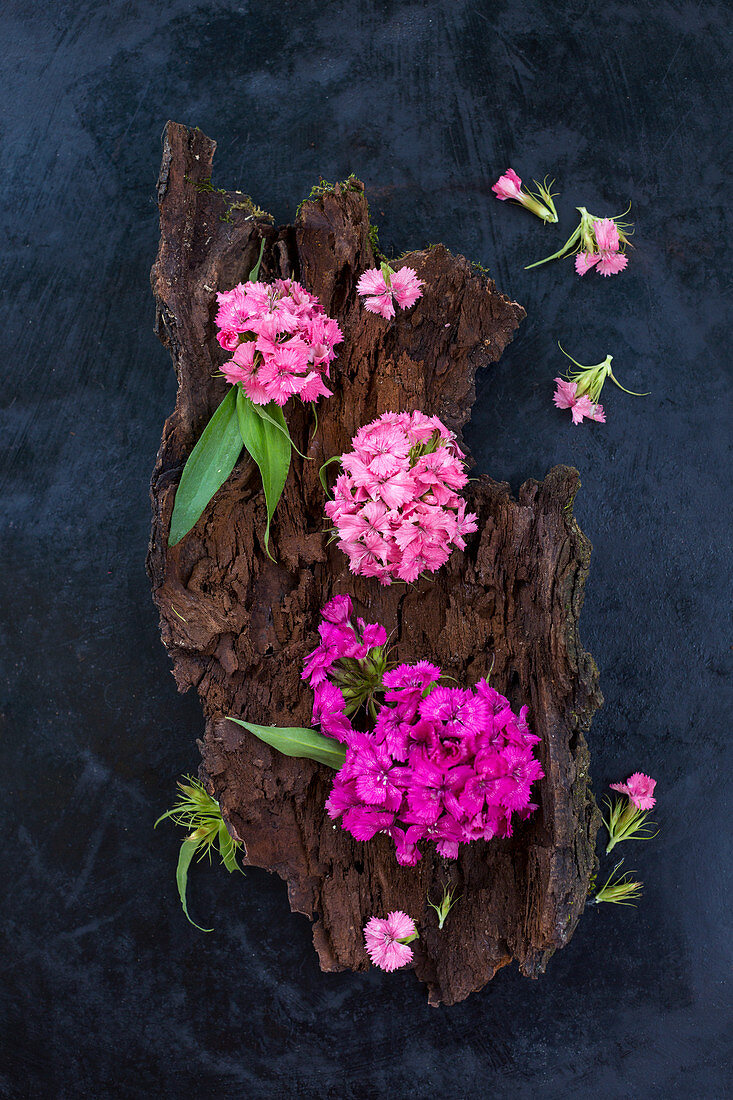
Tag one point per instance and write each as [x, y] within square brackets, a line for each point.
[508, 186]
[384, 940]
[640, 790]
[382, 287]
[580, 407]
[396, 508]
[281, 338]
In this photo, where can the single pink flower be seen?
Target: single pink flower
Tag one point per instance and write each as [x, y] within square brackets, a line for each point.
[508, 186]
[580, 407]
[640, 790]
[381, 287]
[384, 940]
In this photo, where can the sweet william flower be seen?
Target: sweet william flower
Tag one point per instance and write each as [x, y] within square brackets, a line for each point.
[509, 186]
[566, 397]
[387, 940]
[640, 790]
[396, 509]
[598, 242]
[580, 391]
[382, 286]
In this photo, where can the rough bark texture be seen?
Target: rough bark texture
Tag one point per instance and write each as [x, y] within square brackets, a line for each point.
[237, 625]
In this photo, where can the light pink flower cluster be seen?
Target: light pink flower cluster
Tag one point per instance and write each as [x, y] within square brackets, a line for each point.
[440, 763]
[282, 341]
[602, 249]
[382, 287]
[565, 397]
[640, 790]
[396, 507]
[386, 940]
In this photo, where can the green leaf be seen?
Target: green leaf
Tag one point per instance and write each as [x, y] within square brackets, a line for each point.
[227, 848]
[255, 272]
[303, 743]
[274, 415]
[322, 476]
[269, 448]
[186, 854]
[209, 465]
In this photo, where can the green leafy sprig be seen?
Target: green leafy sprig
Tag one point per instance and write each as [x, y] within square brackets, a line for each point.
[198, 812]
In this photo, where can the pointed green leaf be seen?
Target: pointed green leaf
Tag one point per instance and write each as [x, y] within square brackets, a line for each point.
[255, 272]
[274, 415]
[186, 854]
[303, 743]
[209, 465]
[269, 448]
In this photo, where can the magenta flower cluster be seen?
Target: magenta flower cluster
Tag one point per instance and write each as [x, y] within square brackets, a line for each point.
[396, 508]
[438, 763]
[281, 338]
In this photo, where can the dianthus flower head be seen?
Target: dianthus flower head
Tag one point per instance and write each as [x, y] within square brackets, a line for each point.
[382, 286]
[396, 509]
[387, 940]
[599, 242]
[509, 186]
[580, 390]
[431, 763]
[640, 790]
[281, 338]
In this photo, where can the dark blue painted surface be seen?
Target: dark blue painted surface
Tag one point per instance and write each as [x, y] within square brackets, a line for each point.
[106, 991]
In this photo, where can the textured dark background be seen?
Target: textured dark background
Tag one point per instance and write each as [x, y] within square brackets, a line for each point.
[106, 990]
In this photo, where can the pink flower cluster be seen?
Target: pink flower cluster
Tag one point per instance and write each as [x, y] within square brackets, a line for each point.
[440, 763]
[282, 341]
[565, 398]
[606, 257]
[385, 940]
[382, 287]
[396, 507]
[640, 790]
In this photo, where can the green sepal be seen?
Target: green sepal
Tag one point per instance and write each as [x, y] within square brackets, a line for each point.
[207, 467]
[269, 448]
[302, 743]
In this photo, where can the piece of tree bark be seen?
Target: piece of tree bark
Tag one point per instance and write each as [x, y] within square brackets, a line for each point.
[237, 625]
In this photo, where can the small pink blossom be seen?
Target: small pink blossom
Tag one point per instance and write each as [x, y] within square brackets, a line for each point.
[381, 287]
[508, 186]
[640, 790]
[580, 407]
[384, 940]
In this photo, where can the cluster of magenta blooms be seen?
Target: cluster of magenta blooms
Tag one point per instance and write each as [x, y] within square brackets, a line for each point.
[282, 340]
[424, 760]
